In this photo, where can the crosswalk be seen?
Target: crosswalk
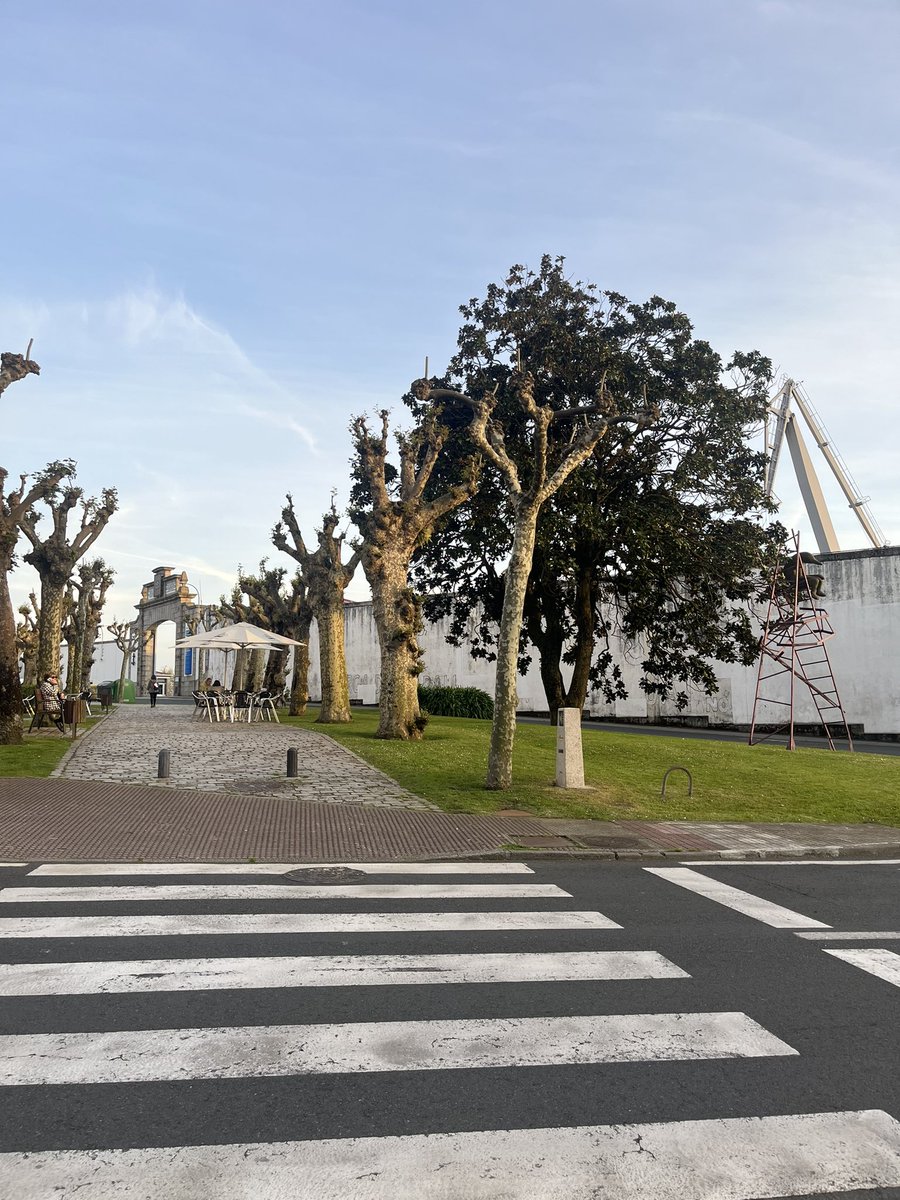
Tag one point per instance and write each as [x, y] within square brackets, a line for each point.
[415, 1009]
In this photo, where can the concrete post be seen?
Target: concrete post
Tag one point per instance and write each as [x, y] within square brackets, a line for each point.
[569, 756]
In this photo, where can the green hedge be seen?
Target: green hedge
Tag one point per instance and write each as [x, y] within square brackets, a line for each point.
[456, 702]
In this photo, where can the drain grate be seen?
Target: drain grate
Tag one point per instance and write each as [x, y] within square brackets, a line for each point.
[324, 875]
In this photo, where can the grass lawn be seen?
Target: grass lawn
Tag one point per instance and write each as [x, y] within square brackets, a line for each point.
[624, 771]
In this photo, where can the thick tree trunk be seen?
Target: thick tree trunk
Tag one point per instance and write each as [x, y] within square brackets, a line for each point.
[398, 619]
[255, 669]
[10, 689]
[503, 730]
[87, 658]
[544, 633]
[585, 628]
[300, 677]
[239, 674]
[50, 626]
[335, 708]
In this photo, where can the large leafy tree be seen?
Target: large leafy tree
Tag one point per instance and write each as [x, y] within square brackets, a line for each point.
[395, 512]
[654, 537]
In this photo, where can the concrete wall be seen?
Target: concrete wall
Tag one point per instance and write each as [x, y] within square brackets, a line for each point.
[863, 602]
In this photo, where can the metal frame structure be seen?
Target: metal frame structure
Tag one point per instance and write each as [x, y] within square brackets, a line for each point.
[782, 425]
[793, 647]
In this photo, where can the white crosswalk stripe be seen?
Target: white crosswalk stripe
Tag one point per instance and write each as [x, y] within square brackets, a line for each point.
[727, 1158]
[272, 891]
[884, 964]
[396, 868]
[343, 970]
[336, 923]
[737, 1159]
[379, 1046]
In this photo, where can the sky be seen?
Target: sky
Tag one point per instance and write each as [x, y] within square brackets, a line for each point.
[231, 227]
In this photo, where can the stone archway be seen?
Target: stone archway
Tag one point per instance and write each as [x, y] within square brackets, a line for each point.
[167, 597]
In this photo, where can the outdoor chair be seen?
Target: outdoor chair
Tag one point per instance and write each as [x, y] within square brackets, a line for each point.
[206, 706]
[28, 706]
[264, 708]
[243, 706]
[42, 711]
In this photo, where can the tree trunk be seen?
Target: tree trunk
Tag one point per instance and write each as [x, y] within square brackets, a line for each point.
[49, 626]
[398, 619]
[123, 671]
[335, 708]
[585, 628]
[545, 634]
[10, 689]
[87, 656]
[255, 669]
[300, 677]
[239, 674]
[503, 730]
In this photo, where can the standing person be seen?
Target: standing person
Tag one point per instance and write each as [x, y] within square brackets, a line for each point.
[51, 699]
[153, 690]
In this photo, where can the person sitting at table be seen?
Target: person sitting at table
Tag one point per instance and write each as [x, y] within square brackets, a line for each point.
[51, 700]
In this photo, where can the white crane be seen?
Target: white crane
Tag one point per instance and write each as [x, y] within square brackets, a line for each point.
[782, 425]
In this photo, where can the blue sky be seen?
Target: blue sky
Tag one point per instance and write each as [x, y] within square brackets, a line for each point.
[229, 227]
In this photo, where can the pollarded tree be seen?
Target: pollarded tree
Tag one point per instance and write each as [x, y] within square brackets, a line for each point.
[100, 578]
[127, 637]
[14, 367]
[395, 513]
[326, 578]
[273, 602]
[54, 557]
[26, 640]
[535, 429]
[14, 508]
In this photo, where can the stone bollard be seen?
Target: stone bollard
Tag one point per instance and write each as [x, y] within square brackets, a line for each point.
[569, 757]
[293, 759]
[162, 770]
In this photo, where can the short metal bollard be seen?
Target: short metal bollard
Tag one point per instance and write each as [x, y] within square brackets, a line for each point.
[162, 770]
[293, 763]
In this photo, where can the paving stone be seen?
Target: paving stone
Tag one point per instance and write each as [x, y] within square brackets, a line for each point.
[237, 759]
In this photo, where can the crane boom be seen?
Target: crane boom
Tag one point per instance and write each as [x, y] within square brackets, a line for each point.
[787, 428]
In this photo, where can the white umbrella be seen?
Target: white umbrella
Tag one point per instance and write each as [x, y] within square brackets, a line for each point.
[239, 636]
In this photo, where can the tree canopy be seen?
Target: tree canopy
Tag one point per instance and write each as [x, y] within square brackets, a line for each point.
[656, 537]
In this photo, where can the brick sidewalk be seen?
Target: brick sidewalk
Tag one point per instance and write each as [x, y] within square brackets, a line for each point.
[56, 820]
[228, 800]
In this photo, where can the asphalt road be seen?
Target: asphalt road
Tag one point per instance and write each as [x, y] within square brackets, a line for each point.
[715, 1048]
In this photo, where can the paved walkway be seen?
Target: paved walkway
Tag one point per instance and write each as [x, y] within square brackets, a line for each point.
[238, 759]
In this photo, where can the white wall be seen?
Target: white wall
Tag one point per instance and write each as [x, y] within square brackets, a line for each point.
[863, 601]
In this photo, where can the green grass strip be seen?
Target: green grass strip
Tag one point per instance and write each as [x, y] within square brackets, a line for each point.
[624, 772]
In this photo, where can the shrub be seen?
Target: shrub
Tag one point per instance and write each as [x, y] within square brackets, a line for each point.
[456, 702]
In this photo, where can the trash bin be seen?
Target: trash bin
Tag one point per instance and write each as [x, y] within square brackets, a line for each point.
[74, 710]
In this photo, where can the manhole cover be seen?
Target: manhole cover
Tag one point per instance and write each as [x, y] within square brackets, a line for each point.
[324, 875]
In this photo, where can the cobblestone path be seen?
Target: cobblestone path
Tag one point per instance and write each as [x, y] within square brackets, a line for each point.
[247, 760]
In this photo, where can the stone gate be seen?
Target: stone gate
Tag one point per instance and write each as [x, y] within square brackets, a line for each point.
[167, 597]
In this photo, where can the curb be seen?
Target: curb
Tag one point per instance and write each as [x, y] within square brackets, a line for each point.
[829, 853]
